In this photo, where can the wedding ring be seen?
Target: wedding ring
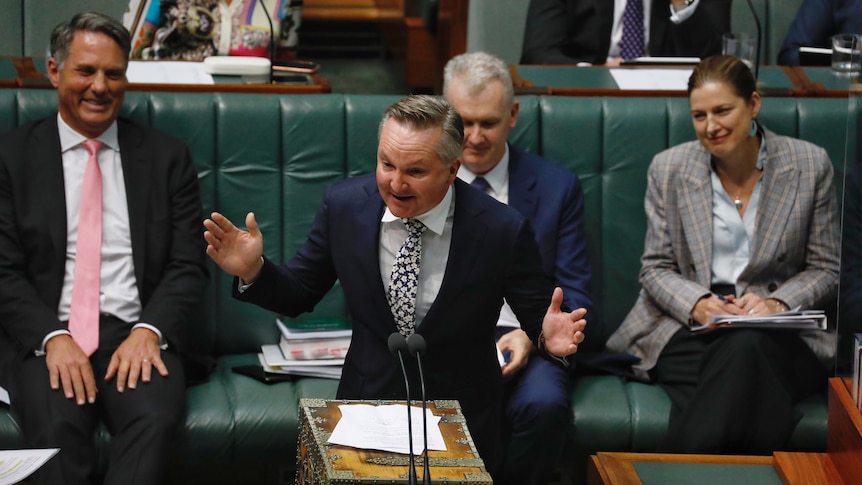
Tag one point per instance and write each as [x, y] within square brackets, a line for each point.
[147, 361]
[751, 312]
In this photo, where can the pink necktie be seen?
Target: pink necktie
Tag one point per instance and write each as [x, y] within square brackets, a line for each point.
[84, 314]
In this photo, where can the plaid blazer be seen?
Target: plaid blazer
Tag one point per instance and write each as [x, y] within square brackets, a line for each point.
[794, 250]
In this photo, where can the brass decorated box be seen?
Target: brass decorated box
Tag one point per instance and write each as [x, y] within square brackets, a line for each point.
[320, 463]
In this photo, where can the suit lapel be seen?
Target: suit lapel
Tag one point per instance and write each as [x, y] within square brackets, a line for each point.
[46, 154]
[695, 207]
[369, 212]
[522, 181]
[136, 174]
[777, 195]
[468, 241]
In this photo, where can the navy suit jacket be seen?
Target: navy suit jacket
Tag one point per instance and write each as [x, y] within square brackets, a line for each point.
[493, 255]
[572, 31]
[552, 199]
[164, 218]
[816, 22]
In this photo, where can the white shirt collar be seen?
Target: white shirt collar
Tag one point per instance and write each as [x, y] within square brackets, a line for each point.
[434, 219]
[70, 138]
[497, 177]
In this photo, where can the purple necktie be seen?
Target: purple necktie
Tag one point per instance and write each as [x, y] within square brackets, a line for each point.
[481, 184]
[632, 43]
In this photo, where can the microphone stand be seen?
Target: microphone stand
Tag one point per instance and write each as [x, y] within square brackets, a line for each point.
[271, 39]
[396, 344]
[759, 36]
[416, 346]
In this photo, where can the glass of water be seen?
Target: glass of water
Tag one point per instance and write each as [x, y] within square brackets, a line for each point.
[847, 53]
[739, 44]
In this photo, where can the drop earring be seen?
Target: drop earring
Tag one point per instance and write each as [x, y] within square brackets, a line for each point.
[753, 130]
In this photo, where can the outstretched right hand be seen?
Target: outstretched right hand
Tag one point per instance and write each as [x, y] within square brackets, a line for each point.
[237, 252]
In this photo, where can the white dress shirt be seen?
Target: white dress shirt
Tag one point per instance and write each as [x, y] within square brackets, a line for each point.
[436, 241]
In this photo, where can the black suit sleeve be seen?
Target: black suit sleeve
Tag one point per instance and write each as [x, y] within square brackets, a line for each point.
[546, 35]
[698, 36]
[174, 273]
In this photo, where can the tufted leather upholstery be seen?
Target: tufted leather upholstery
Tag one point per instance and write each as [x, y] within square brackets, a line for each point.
[276, 154]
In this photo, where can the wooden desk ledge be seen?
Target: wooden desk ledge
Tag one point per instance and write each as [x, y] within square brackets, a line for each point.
[353, 10]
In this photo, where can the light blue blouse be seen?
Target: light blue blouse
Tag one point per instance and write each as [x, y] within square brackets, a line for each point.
[732, 234]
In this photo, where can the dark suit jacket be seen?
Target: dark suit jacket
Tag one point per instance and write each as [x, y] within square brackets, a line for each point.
[572, 31]
[493, 255]
[552, 199]
[815, 24]
[165, 223]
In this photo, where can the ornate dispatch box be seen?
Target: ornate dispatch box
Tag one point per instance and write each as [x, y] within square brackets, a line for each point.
[319, 463]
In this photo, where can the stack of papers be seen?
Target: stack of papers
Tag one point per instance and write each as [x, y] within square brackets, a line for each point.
[316, 353]
[792, 320]
[297, 344]
[385, 428]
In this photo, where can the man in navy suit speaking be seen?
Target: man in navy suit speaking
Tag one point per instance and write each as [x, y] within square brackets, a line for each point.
[536, 392]
[467, 253]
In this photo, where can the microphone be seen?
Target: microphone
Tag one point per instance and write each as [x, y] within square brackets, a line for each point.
[759, 36]
[416, 346]
[397, 346]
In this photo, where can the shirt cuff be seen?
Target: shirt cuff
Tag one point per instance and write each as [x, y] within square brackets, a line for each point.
[682, 14]
[163, 343]
[41, 351]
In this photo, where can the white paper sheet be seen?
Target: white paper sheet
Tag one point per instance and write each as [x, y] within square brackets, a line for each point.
[652, 79]
[4, 396]
[16, 465]
[167, 72]
[384, 428]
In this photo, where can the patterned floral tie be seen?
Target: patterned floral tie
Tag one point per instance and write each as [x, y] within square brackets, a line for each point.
[632, 43]
[404, 280]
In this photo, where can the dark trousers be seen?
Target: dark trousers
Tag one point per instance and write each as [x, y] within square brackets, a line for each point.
[142, 421]
[734, 391]
[537, 417]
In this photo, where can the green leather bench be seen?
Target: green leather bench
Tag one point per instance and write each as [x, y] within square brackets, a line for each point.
[275, 155]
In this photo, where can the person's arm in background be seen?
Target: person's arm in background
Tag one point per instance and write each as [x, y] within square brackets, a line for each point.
[698, 35]
[812, 27]
[547, 34]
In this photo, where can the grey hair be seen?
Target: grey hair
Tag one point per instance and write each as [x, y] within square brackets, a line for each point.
[422, 112]
[62, 35]
[477, 69]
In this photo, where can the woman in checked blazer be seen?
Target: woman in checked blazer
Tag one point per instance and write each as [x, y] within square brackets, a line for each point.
[744, 222]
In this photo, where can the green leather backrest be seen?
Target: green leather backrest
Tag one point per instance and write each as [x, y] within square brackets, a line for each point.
[275, 155]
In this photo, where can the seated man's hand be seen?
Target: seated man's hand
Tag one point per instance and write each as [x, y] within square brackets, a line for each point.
[519, 346]
[237, 252]
[562, 331]
[70, 367]
[135, 358]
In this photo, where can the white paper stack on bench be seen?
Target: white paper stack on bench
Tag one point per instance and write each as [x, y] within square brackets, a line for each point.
[792, 320]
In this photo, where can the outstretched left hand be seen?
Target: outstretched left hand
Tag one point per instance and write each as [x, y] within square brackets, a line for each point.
[562, 331]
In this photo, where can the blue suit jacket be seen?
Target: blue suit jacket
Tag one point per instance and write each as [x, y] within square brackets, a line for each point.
[552, 199]
[493, 256]
[816, 22]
